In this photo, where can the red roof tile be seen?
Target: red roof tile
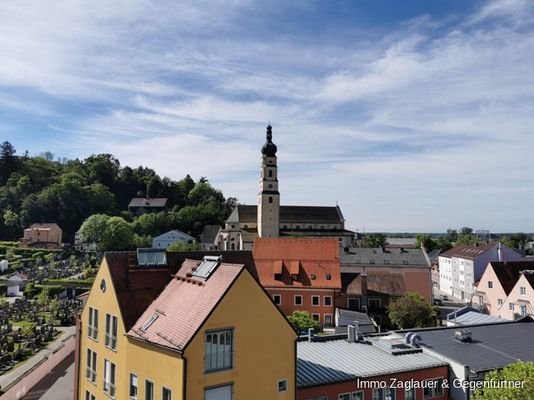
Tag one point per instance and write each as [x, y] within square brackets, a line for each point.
[315, 261]
[184, 305]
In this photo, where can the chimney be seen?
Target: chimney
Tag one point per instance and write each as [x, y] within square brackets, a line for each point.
[500, 253]
[363, 300]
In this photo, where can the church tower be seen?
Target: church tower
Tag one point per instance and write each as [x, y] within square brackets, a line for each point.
[269, 196]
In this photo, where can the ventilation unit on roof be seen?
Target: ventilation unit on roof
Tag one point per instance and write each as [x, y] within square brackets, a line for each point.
[463, 335]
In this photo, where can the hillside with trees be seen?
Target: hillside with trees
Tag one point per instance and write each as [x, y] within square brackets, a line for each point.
[40, 189]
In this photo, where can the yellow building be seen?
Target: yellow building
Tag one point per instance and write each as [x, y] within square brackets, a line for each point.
[208, 332]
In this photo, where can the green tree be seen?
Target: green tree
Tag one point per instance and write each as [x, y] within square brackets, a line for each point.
[44, 296]
[426, 241]
[411, 311]
[93, 228]
[302, 321]
[118, 235]
[374, 240]
[522, 372]
[181, 246]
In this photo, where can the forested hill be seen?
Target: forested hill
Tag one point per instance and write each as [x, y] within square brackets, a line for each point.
[39, 189]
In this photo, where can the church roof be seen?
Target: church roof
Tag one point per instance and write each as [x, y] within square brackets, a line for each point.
[295, 214]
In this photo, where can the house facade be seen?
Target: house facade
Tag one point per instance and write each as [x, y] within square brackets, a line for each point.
[300, 274]
[142, 205]
[169, 238]
[45, 235]
[16, 284]
[520, 300]
[496, 284]
[373, 277]
[149, 333]
[270, 219]
[463, 265]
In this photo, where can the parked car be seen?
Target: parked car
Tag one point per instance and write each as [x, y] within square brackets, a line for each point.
[444, 297]
[438, 302]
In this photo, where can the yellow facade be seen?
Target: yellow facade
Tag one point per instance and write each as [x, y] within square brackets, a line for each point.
[105, 301]
[264, 347]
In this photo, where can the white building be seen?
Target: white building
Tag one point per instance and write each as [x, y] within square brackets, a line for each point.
[4, 264]
[16, 284]
[168, 238]
[463, 265]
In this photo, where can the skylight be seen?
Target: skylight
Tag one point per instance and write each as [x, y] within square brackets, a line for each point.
[207, 266]
[149, 322]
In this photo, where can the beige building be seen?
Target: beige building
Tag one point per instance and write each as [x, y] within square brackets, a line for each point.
[44, 235]
[270, 219]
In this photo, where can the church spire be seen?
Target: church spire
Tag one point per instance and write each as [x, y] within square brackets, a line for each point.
[269, 148]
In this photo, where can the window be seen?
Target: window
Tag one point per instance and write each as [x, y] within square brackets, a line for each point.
[374, 303]
[92, 326]
[328, 319]
[277, 299]
[109, 378]
[111, 331]
[409, 394]
[328, 277]
[480, 299]
[433, 389]
[512, 306]
[316, 301]
[282, 385]
[298, 300]
[218, 393]
[344, 396]
[313, 277]
[523, 309]
[389, 394]
[316, 317]
[357, 395]
[490, 284]
[523, 291]
[166, 394]
[133, 386]
[219, 349]
[270, 173]
[270, 199]
[378, 394]
[149, 390]
[499, 302]
[89, 396]
[327, 300]
[353, 304]
[91, 366]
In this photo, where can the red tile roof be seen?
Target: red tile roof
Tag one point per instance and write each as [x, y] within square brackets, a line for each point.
[468, 251]
[183, 306]
[386, 283]
[314, 261]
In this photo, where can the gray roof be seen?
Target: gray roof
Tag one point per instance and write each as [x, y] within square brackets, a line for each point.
[348, 317]
[174, 234]
[474, 318]
[383, 256]
[209, 234]
[320, 363]
[295, 214]
[493, 346]
[434, 254]
[152, 202]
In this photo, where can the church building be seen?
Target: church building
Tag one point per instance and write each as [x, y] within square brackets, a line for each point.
[269, 219]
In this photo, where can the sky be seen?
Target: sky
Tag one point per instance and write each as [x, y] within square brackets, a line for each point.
[413, 115]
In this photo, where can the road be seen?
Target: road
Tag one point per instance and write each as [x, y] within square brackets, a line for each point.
[57, 385]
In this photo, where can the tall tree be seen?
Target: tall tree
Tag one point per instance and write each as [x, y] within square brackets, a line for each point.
[411, 311]
[375, 240]
[7, 161]
[520, 372]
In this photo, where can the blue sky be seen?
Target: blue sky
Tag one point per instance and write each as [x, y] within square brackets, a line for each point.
[412, 115]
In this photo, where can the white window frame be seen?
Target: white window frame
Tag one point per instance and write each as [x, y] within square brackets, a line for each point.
[523, 290]
[318, 301]
[523, 310]
[316, 317]
[110, 376]
[134, 386]
[330, 300]
[279, 296]
[511, 306]
[111, 331]
[282, 385]
[89, 395]
[166, 393]
[92, 324]
[295, 299]
[331, 317]
[217, 356]
[149, 394]
[90, 372]
[490, 284]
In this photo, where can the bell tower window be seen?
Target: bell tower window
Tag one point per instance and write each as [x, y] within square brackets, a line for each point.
[270, 173]
[270, 199]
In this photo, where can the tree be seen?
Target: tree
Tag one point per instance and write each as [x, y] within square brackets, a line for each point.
[118, 235]
[8, 162]
[522, 372]
[43, 297]
[302, 321]
[466, 231]
[181, 246]
[411, 311]
[374, 240]
[93, 228]
[452, 235]
[426, 241]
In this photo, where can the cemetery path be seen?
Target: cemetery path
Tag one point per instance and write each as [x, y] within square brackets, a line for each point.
[11, 376]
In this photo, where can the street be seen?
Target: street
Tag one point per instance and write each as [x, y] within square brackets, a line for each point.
[57, 385]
